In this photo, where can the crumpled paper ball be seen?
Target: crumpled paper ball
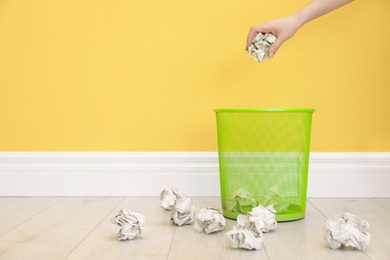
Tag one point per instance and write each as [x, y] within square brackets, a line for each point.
[209, 220]
[275, 199]
[260, 45]
[248, 233]
[237, 200]
[263, 218]
[348, 231]
[246, 239]
[127, 224]
[183, 213]
[169, 196]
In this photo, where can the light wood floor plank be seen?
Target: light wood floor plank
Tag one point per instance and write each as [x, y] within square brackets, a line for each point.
[16, 210]
[190, 244]
[103, 244]
[56, 231]
[384, 203]
[302, 239]
[79, 228]
[377, 216]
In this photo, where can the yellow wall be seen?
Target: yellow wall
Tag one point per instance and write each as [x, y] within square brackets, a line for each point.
[126, 75]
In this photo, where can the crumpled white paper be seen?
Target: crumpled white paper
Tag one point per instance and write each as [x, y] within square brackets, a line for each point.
[348, 231]
[169, 196]
[127, 224]
[183, 213]
[209, 220]
[243, 238]
[260, 45]
[248, 233]
[238, 199]
[279, 203]
[262, 218]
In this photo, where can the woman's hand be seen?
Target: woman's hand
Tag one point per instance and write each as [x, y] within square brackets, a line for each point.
[283, 29]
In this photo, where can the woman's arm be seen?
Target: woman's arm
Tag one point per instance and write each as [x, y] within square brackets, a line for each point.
[285, 28]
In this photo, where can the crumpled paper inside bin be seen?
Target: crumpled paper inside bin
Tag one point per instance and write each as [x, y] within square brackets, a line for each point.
[279, 203]
[239, 200]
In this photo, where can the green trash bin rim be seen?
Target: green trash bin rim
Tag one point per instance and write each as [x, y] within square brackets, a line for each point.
[246, 110]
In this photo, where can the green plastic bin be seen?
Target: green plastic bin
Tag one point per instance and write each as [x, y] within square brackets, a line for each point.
[264, 159]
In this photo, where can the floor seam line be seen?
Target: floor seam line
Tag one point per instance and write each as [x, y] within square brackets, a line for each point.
[89, 233]
[170, 246]
[32, 216]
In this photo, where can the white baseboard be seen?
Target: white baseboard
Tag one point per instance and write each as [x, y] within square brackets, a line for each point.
[194, 173]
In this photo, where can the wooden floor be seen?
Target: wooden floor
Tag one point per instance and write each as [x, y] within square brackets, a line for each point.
[72, 228]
